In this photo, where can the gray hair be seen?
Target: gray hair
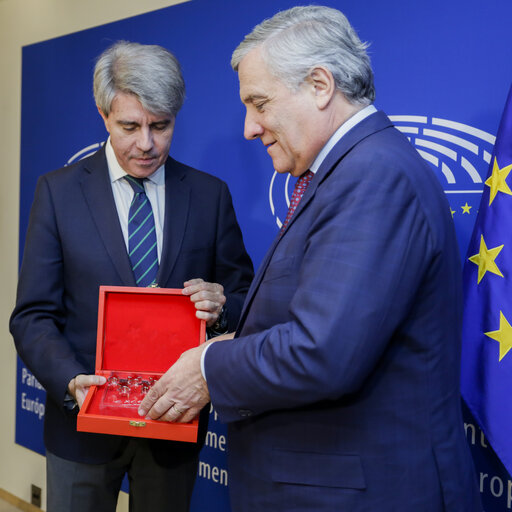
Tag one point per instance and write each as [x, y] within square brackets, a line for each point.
[150, 72]
[295, 41]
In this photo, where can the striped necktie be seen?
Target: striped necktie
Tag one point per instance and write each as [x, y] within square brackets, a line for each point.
[298, 192]
[142, 246]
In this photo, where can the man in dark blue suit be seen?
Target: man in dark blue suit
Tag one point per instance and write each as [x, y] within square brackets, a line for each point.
[341, 387]
[77, 240]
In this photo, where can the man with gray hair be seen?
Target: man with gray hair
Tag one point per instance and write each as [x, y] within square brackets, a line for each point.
[341, 387]
[80, 236]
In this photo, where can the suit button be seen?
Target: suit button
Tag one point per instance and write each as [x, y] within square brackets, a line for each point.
[245, 413]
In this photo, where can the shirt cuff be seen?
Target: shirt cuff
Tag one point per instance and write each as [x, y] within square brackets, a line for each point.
[203, 373]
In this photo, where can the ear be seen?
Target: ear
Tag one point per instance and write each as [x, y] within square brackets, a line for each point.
[323, 84]
[104, 117]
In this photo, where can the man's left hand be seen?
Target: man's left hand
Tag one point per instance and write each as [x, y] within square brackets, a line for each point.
[181, 392]
[207, 297]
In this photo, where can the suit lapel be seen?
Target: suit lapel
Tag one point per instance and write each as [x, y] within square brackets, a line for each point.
[373, 123]
[97, 190]
[177, 206]
[256, 282]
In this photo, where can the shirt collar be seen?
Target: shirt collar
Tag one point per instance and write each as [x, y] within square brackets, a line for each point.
[116, 172]
[338, 134]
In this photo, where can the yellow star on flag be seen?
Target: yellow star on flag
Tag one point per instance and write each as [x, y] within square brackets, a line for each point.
[485, 259]
[496, 180]
[466, 208]
[453, 211]
[503, 336]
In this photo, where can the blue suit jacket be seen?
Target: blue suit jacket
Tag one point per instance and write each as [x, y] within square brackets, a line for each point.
[342, 389]
[74, 244]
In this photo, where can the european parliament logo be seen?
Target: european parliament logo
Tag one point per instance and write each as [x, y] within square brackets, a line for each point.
[85, 152]
[459, 154]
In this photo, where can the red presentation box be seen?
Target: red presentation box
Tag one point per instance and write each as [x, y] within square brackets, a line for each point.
[141, 333]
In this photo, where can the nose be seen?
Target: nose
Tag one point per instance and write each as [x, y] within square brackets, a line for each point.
[145, 140]
[252, 129]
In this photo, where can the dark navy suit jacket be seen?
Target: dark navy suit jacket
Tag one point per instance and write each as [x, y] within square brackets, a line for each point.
[74, 244]
[342, 389]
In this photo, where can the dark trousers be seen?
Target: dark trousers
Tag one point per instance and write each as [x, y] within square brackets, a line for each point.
[77, 487]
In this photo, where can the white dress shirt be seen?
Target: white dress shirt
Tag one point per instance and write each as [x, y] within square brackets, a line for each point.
[338, 134]
[123, 195]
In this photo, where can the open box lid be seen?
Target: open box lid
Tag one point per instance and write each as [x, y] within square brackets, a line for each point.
[145, 329]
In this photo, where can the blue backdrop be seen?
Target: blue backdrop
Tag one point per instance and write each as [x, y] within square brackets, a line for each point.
[442, 73]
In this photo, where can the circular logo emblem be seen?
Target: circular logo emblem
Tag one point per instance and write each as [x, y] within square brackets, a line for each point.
[85, 152]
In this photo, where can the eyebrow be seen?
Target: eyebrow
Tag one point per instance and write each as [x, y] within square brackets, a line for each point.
[165, 122]
[251, 98]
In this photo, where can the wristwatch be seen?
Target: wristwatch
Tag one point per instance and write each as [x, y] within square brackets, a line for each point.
[70, 404]
[221, 325]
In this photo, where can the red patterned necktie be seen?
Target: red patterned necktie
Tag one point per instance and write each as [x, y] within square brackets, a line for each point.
[298, 192]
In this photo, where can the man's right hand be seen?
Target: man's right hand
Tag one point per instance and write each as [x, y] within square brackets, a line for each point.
[79, 385]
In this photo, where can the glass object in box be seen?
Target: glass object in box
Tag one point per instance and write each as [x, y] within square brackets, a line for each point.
[123, 392]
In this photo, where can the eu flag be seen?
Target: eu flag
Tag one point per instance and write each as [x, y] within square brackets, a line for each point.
[486, 372]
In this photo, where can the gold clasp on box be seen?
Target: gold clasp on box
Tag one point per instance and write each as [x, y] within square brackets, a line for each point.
[137, 423]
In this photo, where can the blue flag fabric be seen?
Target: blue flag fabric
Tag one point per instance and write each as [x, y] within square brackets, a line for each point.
[486, 368]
